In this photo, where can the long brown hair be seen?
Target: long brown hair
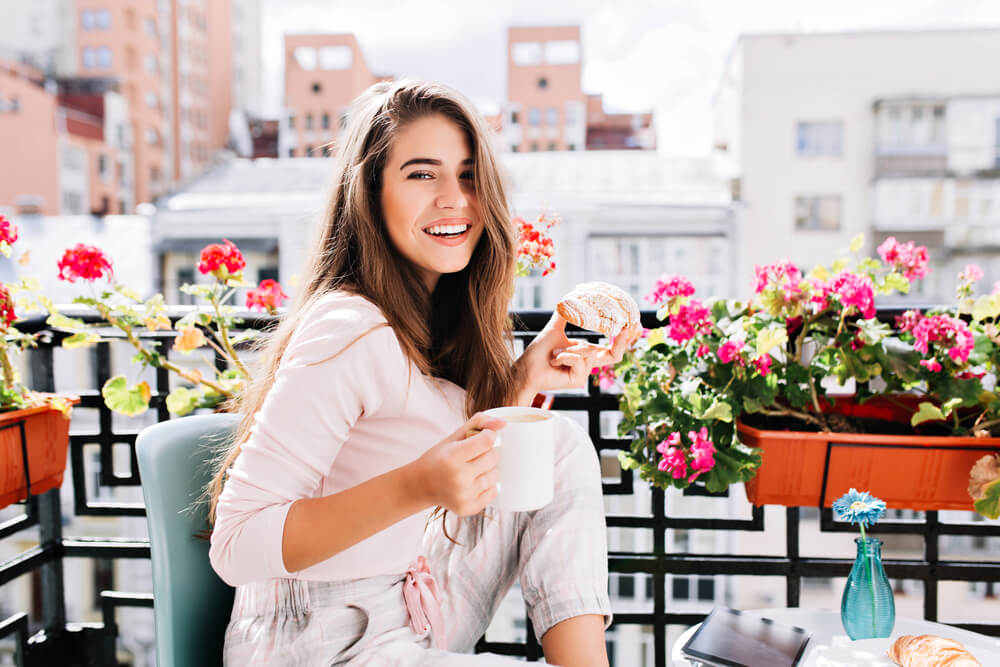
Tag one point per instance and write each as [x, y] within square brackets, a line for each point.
[466, 338]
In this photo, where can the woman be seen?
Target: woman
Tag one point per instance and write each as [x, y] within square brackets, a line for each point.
[398, 335]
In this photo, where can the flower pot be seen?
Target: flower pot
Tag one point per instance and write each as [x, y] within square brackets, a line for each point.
[918, 472]
[46, 436]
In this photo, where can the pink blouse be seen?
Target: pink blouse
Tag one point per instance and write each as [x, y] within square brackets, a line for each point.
[338, 414]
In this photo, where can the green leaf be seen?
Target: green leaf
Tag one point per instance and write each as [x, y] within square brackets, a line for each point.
[656, 336]
[128, 292]
[770, 338]
[626, 461]
[198, 290]
[125, 400]
[857, 243]
[950, 405]
[60, 321]
[718, 411]
[989, 505]
[986, 307]
[897, 281]
[752, 405]
[927, 412]
[182, 401]
[81, 339]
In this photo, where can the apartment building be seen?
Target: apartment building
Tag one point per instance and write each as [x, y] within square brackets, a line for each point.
[886, 133]
[546, 108]
[323, 75]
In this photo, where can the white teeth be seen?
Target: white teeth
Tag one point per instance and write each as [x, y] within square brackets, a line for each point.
[446, 229]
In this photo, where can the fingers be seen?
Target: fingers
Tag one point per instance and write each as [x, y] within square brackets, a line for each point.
[485, 462]
[478, 422]
[476, 445]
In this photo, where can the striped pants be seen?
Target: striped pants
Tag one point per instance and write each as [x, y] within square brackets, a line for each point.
[558, 552]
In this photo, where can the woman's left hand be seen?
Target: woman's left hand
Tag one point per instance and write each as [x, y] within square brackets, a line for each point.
[552, 361]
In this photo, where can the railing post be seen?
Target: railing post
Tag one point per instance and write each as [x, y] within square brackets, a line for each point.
[50, 533]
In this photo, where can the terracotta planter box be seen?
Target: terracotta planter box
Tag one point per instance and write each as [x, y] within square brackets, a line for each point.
[46, 433]
[916, 472]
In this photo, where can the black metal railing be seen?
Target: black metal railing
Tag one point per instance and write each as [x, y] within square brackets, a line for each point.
[54, 639]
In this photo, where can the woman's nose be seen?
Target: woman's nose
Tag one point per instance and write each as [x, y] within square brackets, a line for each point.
[451, 194]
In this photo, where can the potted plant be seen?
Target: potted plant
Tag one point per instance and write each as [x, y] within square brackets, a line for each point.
[34, 426]
[802, 391]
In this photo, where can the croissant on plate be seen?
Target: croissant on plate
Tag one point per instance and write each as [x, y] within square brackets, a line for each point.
[930, 651]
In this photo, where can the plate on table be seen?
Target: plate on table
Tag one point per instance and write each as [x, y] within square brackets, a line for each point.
[849, 654]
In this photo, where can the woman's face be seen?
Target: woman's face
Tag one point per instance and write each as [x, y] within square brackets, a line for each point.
[428, 197]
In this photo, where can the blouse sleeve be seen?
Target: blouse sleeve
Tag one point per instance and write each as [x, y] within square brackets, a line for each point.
[325, 382]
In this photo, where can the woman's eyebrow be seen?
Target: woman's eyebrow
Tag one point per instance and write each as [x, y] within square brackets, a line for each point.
[427, 160]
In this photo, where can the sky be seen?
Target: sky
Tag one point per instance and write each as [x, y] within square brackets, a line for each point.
[660, 55]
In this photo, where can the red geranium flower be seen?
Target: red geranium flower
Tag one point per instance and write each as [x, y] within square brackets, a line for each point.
[268, 296]
[84, 261]
[8, 231]
[218, 256]
[7, 315]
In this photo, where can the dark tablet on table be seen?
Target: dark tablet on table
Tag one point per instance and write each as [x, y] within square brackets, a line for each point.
[732, 638]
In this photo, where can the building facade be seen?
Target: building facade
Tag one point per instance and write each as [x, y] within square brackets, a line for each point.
[880, 133]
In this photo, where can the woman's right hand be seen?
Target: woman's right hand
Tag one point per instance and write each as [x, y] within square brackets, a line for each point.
[460, 472]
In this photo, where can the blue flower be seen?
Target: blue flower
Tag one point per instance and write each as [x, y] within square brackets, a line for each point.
[859, 507]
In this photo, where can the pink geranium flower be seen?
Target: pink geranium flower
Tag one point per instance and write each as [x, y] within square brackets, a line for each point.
[782, 275]
[909, 260]
[83, 261]
[605, 376]
[933, 365]
[763, 364]
[690, 320]
[267, 297]
[730, 350]
[7, 315]
[221, 260]
[670, 287]
[674, 460]
[856, 291]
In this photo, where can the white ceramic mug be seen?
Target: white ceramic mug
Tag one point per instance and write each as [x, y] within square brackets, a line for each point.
[526, 445]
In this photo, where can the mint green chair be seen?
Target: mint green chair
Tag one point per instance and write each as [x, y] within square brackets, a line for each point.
[191, 604]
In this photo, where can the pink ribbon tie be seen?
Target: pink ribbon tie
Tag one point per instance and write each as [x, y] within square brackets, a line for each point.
[423, 603]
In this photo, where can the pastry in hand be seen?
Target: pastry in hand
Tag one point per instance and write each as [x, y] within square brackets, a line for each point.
[930, 651]
[602, 307]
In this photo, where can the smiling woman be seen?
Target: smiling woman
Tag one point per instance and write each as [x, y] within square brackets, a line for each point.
[369, 413]
[429, 199]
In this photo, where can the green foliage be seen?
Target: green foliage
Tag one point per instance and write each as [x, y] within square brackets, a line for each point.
[795, 335]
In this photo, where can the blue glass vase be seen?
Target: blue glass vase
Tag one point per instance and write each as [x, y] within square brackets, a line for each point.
[867, 609]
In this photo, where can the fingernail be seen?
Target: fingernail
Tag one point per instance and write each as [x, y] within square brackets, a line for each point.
[558, 350]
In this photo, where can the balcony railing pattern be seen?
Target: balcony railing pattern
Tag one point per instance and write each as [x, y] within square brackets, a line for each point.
[62, 641]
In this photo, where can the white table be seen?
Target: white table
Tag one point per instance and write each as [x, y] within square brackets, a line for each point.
[831, 647]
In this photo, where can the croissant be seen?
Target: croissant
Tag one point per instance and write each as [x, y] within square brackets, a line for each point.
[930, 651]
[598, 306]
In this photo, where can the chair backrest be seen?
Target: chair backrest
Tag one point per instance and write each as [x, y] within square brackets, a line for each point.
[191, 604]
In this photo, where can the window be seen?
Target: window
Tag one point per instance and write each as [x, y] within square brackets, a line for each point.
[152, 99]
[534, 146]
[72, 203]
[626, 586]
[543, 83]
[534, 116]
[526, 53]
[309, 121]
[562, 52]
[291, 120]
[552, 146]
[87, 19]
[185, 276]
[152, 136]
[553, 116]
[104, 57]
[150, 26]
[514, 120]
[514, 148]
[817, 213]
[317, 88]
[103, 19]
[151, 63]
[680, 588]
[819, 138]
[335, 57]
[267, 273]
[305, 56]
[102, 166]
[309, 151]
[89, 58]
[325, 121]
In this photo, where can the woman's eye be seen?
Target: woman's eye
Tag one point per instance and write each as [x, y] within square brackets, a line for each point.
[422, 175]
